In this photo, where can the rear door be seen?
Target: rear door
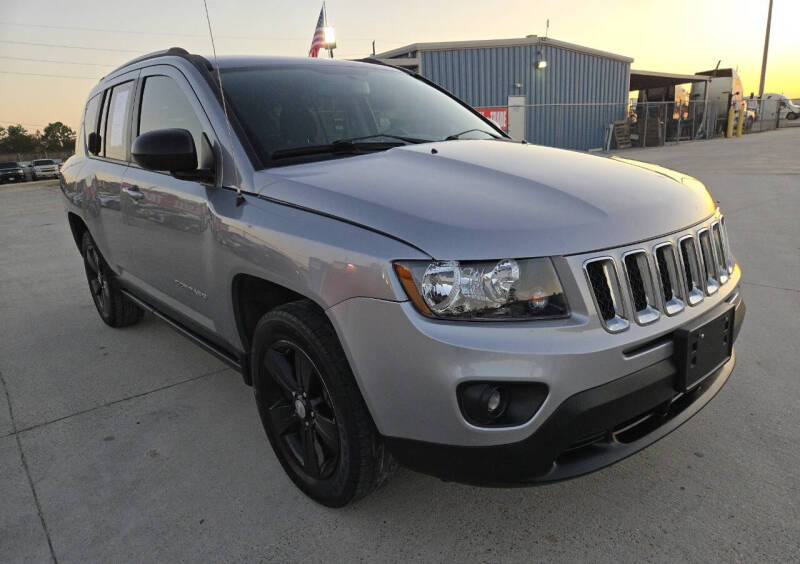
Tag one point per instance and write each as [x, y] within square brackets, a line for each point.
[168, 219]
[104, 180]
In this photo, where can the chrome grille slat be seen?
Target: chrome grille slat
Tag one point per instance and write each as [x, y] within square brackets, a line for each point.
[669, 272]
[641, 286]
[709, 261]
[721, 252]
[726, 244]
[601, 273]
[692, 273]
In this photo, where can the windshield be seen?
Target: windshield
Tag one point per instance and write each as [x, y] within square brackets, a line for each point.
[43, 162]
[9, 165]
[307, 105]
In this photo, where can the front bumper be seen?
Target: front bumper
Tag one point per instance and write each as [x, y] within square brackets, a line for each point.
[588, 431]
[408, 369]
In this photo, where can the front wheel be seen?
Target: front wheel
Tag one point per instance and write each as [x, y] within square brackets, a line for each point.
[792, 116]
[312, 409]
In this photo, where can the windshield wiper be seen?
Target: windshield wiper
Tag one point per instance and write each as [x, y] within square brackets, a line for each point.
[343, 146]
[411, 140]
[455, 136]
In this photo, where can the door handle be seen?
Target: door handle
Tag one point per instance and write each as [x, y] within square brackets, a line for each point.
[133, 191]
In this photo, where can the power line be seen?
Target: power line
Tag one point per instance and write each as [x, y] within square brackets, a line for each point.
[68, 46]
[173, 34]
[51, 75]
[54, 61]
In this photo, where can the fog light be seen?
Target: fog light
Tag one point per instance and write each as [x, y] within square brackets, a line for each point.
[489, 404]
[494, 400]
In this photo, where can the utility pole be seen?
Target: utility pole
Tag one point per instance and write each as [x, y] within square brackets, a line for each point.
[766, 48]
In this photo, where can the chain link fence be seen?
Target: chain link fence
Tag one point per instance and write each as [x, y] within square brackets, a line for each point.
[609, 125]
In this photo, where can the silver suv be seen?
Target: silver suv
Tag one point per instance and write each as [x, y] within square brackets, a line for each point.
[398, 280]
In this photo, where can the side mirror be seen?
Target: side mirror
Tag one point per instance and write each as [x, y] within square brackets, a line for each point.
[172, 150]
[94, 143]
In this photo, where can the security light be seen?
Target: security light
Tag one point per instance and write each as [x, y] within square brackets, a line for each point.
[330, 38]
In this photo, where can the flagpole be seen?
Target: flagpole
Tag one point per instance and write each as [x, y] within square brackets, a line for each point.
[325, 18]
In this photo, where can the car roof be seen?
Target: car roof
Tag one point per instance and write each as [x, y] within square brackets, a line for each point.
[231, 61]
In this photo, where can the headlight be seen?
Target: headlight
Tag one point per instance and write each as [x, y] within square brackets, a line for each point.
[484, 290]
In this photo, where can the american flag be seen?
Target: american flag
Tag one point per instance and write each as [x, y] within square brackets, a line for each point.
[319, 35]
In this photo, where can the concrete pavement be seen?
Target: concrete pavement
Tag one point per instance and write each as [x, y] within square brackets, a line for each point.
[135, 445]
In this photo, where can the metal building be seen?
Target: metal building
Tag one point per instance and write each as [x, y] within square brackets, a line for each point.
[548, 91]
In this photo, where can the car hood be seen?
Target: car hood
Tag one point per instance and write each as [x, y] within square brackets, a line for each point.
[492, 199]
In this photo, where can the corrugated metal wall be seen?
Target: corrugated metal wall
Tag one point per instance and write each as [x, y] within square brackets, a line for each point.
[487, 76]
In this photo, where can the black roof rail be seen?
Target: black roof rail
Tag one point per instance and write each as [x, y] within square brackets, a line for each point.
[171, 52]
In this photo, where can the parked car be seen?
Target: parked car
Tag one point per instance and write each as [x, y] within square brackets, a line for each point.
[44, 168]
[11, 172]
[396, 278]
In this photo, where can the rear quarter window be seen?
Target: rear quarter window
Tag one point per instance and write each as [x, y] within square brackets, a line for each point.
[90, 117]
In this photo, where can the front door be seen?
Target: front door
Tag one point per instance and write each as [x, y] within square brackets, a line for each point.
[168, 219]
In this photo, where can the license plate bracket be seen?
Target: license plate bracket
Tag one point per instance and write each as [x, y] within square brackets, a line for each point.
[701, 349]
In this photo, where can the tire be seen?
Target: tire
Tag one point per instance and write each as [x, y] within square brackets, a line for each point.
[792, 116]
[306, 395]
[113, 307]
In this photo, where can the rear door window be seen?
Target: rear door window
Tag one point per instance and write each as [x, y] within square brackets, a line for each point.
[116, 122]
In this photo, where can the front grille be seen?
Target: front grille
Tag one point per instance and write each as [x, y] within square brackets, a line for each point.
[662, 280]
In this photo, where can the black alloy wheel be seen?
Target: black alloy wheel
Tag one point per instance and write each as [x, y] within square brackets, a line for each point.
[312, 409]
[115, 309]
[97, 277]
[301, 413]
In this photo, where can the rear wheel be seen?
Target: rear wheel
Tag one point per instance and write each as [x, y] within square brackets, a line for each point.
[311, 407]
[114, 308]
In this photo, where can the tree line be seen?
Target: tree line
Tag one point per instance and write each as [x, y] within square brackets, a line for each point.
[54, 137]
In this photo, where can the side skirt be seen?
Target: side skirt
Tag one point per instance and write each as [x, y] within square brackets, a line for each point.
[239, 362]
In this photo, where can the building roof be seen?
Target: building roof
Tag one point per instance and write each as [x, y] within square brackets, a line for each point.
[642, 79]
[489, 43]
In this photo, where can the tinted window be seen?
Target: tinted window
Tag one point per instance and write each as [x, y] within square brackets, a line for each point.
[103, 120]
[91, 115]
[116, 121]
[9, 165]
[42, 162]
[312, 104]
[165, 106]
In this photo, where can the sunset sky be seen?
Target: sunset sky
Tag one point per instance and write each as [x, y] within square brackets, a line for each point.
[94, 36]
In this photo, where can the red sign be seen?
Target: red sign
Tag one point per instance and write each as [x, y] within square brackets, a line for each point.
[498, 114]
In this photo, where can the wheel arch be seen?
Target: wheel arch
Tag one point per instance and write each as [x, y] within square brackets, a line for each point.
[78, 227]
[252, 297]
